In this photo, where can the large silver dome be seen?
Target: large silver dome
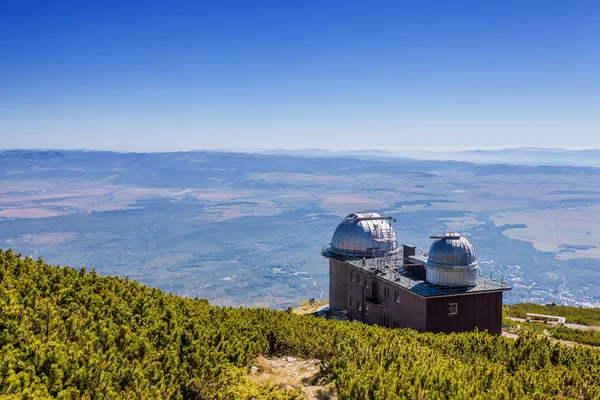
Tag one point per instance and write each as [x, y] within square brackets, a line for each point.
[365, 235]
[452, 261]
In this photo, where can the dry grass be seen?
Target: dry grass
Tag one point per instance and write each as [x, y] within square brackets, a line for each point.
[306, 308]
[293, 373]
[326, 393]
[264, 367]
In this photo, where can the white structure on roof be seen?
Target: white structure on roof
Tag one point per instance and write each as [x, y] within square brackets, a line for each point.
[365, 235]
[452, 261]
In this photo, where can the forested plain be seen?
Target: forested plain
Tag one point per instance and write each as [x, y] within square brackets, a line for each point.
[70, 334]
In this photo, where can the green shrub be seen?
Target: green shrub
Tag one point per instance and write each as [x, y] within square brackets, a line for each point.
[72, 334]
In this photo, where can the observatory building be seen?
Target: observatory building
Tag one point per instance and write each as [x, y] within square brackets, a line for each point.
[377, 282]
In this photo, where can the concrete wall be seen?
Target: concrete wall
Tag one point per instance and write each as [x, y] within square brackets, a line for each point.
[482, 311]
[338, 284]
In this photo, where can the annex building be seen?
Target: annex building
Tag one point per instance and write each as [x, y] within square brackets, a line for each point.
[378, 282]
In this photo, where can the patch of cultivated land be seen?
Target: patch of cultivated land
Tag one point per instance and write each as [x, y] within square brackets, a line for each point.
[340, 203]
[571, 233]
[47, 238]
[299, 179]
[33, 212]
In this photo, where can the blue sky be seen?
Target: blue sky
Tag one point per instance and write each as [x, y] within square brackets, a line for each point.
[174, 75]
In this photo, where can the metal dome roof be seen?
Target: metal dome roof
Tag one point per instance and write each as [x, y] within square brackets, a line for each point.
[365, 234]
[451, 249]
[452, 261]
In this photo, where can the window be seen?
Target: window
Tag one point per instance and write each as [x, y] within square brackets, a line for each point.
[358, 279]
[374, 290]
[386, 292]
[397, 297]
[386, 320]
[352, 276]
[452, 308]
[350, 301]
[358, 305]
[366, 282]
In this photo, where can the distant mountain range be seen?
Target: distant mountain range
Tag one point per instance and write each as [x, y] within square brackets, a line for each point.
[519, 155]
[528, 155]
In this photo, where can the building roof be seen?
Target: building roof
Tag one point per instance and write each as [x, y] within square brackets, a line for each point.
[451, 250]
[364, 235]
[396, 274]
[452, 261]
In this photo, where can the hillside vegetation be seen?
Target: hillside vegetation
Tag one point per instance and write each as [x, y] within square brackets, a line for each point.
[576, 315]
[589, 337]
[71, 334]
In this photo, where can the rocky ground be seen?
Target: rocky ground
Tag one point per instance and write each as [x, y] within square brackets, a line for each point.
[292, 373]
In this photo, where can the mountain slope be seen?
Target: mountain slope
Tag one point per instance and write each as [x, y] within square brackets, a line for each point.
[72, 334]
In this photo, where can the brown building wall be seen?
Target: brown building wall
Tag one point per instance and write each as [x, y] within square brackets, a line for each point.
[409, 312]
[338, 284]
[382, 309]
[349, 291]
[355, 293]
[482, 311]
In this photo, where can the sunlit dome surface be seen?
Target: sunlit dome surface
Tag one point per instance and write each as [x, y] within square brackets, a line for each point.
[365, 234]
[452, 261]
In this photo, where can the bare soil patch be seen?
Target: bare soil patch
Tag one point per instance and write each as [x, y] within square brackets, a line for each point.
[293, 373]
[310, 307]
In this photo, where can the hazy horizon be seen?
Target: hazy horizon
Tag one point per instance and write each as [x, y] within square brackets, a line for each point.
[266, 149]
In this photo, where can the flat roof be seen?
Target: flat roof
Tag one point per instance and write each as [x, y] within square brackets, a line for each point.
[397, 274]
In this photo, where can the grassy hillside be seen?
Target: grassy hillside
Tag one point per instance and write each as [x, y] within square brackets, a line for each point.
[70, 334]
[576, 315]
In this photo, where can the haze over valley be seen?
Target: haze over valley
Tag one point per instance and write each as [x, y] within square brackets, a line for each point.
[247, 229]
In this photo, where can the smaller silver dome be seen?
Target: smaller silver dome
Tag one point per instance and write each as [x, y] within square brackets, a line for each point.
[366, 235]
[452, 261]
